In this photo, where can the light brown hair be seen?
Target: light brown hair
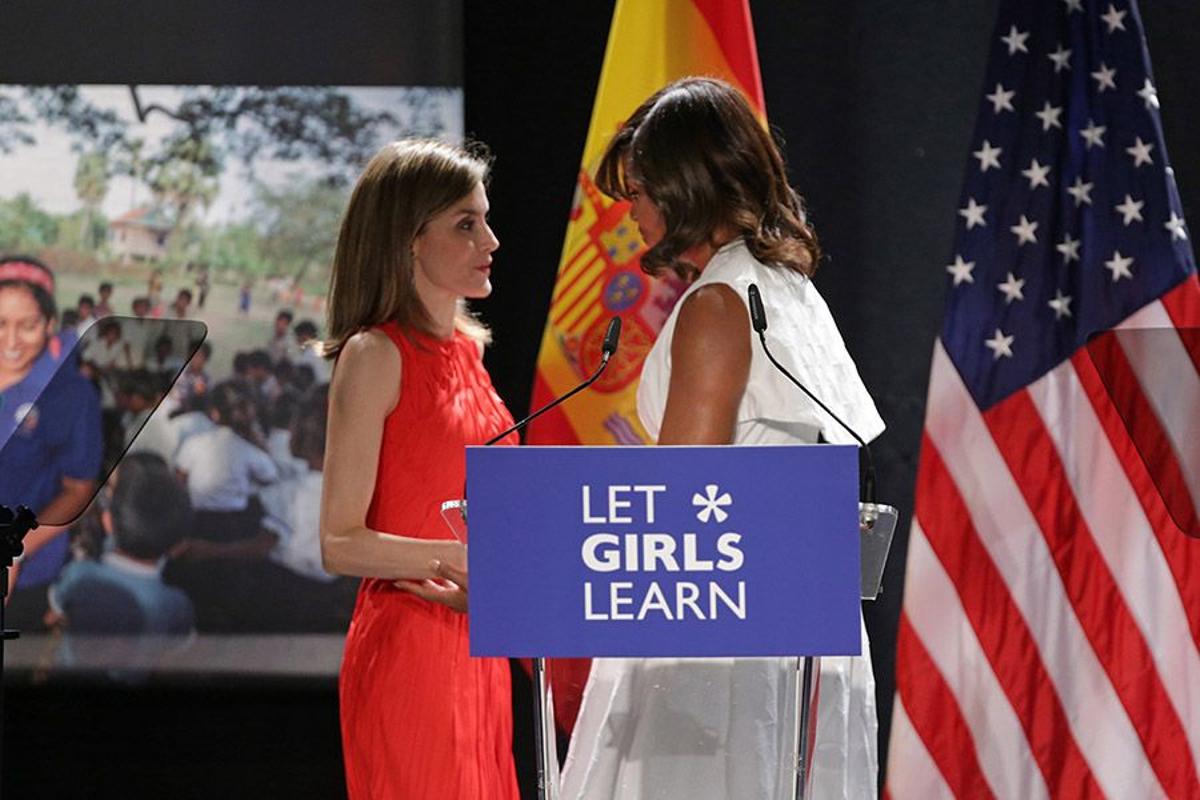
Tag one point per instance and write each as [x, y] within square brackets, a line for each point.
[706, 162]
[406, 184]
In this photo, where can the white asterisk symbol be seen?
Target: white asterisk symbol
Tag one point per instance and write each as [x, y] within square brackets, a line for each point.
[710, 503]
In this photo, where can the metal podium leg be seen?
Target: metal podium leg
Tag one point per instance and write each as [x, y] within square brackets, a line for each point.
[804, 681]
[545, 737]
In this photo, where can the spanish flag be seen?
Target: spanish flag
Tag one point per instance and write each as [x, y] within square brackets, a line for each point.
[650, 44]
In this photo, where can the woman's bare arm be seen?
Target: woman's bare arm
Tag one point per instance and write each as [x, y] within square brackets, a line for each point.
[710, 365]
[363, 392]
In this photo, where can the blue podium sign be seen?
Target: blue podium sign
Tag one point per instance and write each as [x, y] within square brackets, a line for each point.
[663, 551]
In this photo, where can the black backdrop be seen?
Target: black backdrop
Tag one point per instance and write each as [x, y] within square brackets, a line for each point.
[877, 103]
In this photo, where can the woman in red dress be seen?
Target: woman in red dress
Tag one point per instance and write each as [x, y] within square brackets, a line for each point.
[420, 718]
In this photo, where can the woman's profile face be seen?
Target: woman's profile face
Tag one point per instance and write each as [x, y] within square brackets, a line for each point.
[644, 212]
[24, 331]
[453, 251]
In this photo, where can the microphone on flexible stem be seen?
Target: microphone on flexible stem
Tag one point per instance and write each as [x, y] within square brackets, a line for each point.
[544, 736]
[869, 517]
[611, 338]
[758, 319]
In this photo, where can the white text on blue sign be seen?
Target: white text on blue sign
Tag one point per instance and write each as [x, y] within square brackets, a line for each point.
[699, 569]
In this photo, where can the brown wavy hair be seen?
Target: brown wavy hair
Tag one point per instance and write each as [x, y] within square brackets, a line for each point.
[405, 184]
[706, 161]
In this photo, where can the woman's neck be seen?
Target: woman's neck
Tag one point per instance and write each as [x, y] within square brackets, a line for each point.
[441, 318]
[441, 307]
[699, 256]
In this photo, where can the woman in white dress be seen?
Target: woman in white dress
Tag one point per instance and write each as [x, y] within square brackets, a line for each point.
[710, 197]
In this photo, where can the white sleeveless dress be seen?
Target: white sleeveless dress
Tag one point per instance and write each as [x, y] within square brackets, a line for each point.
[721, 729]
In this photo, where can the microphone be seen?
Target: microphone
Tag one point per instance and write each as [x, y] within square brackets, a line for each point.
[611, 338]
[758, 315]
[758, 319]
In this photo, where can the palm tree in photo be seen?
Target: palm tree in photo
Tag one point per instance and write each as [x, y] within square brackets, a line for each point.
[91, 187]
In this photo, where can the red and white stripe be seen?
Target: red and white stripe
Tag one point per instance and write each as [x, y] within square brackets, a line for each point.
[920, 776]
[1048, 643]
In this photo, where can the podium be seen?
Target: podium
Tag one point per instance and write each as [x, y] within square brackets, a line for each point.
[731, 551]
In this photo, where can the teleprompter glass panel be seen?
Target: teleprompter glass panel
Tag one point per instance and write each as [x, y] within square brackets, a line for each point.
[68, 421]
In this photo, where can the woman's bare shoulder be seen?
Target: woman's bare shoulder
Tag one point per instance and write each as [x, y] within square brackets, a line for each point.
[714, 309]
[713, 328]
[370, 349]
[368, 369]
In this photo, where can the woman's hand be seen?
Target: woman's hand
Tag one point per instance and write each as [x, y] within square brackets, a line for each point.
[449, 588]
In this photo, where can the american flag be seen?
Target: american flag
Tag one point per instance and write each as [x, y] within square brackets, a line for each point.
[1048, 639]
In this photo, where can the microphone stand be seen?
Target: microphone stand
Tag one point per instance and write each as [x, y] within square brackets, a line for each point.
[13, 527]
[759, 320]
[611, 337]
[545, 736]
[868, 513]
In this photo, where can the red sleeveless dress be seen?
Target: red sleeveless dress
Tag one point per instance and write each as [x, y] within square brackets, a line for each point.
[420, 718]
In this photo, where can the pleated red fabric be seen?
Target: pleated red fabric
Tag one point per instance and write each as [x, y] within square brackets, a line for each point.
[420, 718]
